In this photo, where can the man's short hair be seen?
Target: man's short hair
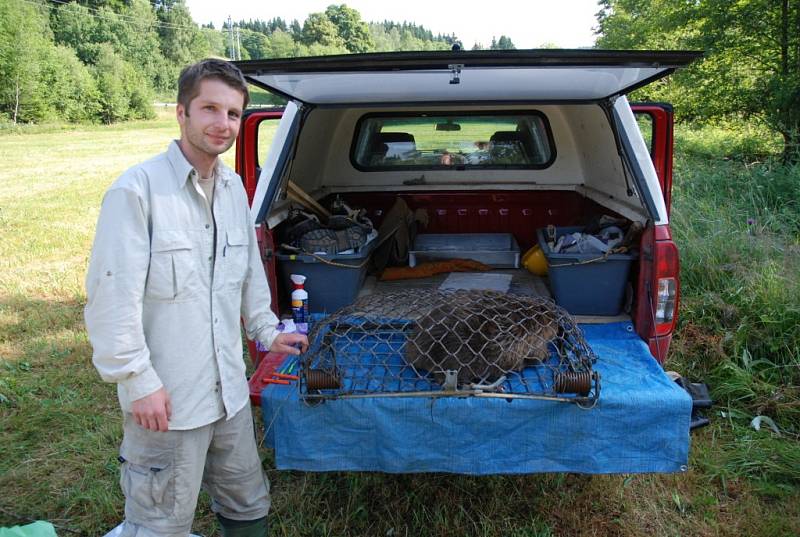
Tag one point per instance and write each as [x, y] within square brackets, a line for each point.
[210, 68]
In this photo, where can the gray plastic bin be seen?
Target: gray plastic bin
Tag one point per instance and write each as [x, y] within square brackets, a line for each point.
[329, 287]
[498, 250]
[595, 288]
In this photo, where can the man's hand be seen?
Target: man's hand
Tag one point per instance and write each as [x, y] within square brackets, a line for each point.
[285, 344]
[152, 411]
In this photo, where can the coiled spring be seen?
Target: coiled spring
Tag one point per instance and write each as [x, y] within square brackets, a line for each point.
[319, 379]
[574, 382]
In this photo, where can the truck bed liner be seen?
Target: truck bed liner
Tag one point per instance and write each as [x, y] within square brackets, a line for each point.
[640, 424]
[522, 283]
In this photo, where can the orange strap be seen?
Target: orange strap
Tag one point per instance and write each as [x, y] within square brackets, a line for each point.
[425, 270]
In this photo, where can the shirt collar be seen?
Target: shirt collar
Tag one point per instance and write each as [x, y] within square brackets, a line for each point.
[183, 168]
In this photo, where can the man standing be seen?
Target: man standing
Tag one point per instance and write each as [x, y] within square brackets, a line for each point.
[174, 267]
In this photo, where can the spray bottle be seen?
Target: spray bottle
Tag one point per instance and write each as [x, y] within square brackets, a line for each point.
[299, 300]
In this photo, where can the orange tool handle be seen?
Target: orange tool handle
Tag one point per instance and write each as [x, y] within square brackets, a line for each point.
[285, 376]
[266, 380]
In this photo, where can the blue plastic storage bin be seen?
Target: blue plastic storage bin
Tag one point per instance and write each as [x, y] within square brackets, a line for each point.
[595, 288]
[329, 287]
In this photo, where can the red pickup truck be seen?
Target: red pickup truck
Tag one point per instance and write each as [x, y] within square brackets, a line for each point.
[489, 145]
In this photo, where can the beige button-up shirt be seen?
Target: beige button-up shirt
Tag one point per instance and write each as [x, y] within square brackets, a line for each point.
[164, 302]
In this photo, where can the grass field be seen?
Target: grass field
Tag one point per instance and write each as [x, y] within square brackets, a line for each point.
[736, 219]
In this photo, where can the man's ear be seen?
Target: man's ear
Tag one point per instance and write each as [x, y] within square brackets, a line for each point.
[180, 113]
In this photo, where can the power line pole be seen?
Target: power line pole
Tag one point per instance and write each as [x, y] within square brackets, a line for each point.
[232, 54]
[238, 45]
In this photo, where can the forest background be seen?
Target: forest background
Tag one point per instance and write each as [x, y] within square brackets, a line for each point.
[109, 60]
[78, 82]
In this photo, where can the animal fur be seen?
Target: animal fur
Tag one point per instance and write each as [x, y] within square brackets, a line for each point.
[482, 335]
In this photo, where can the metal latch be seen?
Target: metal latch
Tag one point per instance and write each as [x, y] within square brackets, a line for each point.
[450, 380]
[455, 72]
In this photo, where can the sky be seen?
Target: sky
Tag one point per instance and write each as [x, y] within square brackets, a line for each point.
[529, 24]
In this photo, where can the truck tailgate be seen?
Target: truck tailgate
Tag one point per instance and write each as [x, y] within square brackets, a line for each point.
[640, 424]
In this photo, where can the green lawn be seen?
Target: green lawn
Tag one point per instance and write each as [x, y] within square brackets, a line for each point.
[60, 425]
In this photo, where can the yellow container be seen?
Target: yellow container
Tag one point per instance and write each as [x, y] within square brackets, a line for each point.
[534, 261]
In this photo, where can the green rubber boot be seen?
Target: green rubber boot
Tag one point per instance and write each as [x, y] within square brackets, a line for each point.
[243, 528]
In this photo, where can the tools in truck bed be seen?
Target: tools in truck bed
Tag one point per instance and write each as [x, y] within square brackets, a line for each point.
[279, 378]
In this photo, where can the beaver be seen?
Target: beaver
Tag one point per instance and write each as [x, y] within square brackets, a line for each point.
[482, 335]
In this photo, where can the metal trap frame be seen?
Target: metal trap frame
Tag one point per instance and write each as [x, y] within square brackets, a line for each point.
[422, 343]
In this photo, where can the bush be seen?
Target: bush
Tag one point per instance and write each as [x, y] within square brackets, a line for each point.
[140, 99]
[124, 92]
[109, 72]
[73, 93]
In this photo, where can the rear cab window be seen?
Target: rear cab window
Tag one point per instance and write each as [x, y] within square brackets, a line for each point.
[422, 141]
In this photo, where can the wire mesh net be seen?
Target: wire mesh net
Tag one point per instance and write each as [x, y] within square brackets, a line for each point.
[449, 343]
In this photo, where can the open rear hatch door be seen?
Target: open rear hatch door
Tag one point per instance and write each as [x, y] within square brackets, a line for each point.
[459, 76]
[447, 77]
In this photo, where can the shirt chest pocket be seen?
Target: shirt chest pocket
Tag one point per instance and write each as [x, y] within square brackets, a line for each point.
[173, 272]
[237, 261]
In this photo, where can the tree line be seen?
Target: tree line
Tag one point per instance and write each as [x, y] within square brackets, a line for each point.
[337, 30]
[101, 61]
[108, 60]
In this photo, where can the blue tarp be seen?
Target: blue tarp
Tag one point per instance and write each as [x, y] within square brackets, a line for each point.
[640, 424]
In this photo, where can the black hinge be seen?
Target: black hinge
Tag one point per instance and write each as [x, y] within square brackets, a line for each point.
[266, 251]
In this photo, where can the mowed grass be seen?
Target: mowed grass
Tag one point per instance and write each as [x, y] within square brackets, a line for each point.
[60, 425]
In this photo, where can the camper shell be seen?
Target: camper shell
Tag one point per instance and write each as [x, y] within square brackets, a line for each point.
[575, 150]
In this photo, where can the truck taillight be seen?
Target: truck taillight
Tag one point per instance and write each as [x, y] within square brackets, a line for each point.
[667, 289]
[667, 295]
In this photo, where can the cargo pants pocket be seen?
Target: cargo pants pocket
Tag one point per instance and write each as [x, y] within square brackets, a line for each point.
[148, 486]
[147, 476]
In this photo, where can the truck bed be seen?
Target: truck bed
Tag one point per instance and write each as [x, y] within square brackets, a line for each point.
[522, 283]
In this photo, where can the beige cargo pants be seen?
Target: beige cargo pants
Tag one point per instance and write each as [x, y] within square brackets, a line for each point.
[162, 473]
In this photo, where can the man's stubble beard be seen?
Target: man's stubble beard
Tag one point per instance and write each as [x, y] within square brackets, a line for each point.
[197, 139]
